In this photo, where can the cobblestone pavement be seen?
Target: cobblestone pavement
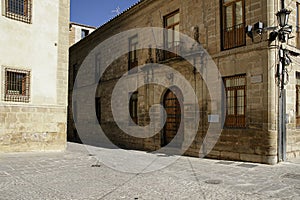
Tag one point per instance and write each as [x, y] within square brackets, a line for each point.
[75, 174]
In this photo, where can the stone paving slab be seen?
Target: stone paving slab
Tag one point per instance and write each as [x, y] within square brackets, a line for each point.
[76, 174]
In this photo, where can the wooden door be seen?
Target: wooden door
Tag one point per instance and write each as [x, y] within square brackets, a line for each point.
[172, 106]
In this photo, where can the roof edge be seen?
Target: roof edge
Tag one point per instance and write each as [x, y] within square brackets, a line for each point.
[83, 25]
[125, 13]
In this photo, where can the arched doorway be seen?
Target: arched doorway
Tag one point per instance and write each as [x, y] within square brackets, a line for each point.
[171, 102]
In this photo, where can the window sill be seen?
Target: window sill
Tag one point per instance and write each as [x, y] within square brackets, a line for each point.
[18, 17]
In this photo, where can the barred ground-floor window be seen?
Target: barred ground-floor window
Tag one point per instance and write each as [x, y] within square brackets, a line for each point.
[17, 85]
[235, 87]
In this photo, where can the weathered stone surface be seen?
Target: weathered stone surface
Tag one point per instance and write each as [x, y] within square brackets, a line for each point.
[257, 141]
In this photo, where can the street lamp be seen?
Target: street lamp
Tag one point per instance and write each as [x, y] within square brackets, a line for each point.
[283, 17]
[281, 33]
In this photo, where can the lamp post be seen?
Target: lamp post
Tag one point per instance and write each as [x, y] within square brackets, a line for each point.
[283, 36]
[281, 33]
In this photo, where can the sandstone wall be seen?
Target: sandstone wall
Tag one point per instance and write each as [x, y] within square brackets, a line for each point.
[257, 142]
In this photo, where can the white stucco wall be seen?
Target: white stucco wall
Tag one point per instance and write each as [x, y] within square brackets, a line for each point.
[34, 47]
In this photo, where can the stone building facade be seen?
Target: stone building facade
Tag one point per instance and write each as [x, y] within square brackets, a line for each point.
[34, 75]
[247, 68]
[79, 31]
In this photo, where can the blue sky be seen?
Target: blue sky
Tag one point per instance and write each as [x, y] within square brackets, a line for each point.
[97, 12]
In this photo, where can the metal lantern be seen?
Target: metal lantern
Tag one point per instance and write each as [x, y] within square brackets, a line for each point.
[283, 17]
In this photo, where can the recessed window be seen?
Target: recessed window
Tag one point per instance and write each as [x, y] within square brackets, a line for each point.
[172, 38]
[235, 88]
[84, 33]
[19, 10]
[132, 56]
[233, 24]
[17, 85]
[133, 105]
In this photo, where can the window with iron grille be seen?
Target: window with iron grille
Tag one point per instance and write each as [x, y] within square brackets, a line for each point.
[133, 105]
[172, 38]
[19, 10]
[298, 99]
[233, 24]
[17, 85]
[235, 87]
[132, 56]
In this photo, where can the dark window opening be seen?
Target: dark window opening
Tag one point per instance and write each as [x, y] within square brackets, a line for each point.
[233, 24]
[19, 10]
[132, 56]
[84, 33]
[172, 36]
[17, 84]
[235, 88]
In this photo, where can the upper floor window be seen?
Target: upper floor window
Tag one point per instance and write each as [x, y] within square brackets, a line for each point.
[132, 56]
[17, 85]
[84, 33]
[235, 88]
[172, 38]
[233, 24]
[19, 10]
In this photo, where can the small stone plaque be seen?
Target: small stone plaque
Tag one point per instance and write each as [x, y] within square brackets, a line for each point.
[256, 79]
